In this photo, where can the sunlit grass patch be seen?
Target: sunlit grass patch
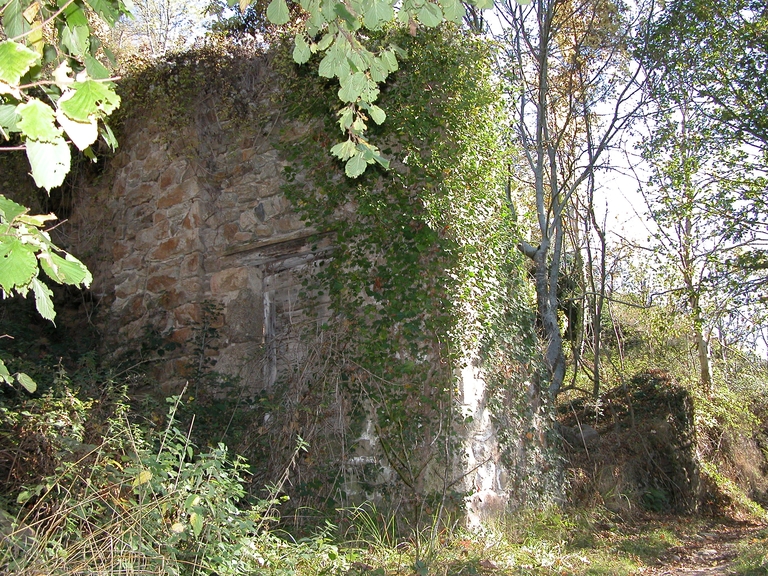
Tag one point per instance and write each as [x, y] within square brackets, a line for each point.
[752, 557]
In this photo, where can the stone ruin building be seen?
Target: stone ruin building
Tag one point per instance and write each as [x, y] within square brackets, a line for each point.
[192, 218]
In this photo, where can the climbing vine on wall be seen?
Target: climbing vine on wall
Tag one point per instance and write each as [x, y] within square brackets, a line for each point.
[424, 266]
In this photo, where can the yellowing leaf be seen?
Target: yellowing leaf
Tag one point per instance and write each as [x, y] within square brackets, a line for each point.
[197, 523]
[31, 12]
[177, 527]
[144, 477]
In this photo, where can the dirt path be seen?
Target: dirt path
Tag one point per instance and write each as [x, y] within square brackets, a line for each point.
[708, 553]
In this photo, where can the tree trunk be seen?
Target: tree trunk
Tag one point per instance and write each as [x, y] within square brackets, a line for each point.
[546, 301]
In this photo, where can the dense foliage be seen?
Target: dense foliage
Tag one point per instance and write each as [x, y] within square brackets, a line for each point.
[424, 273]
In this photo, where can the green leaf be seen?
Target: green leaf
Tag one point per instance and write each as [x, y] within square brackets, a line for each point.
[326, 41]
[89, 97]
[10, 209]
[379, 71]
[43, 299]
[301, 51]
[14, 23]
[388, 56]
[377, 114]
[346, 116]
[453, 10]
[108, 136]
[342, 12]
[352, 86]
[75, 39]
[29, 384]
[107, 10]
[15, 61]
[355, 166]
[18, 264]
[38, 121]
[488, 4]
[9, 118]
[430, 15]
[74, 14]
[95, 68]
[67, 270]
[378, 13]
[4, 374]
[50, 162]
[344, 150]
[277, 12]
[327, 67]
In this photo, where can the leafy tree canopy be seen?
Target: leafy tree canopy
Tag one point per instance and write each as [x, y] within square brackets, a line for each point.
[338, 30]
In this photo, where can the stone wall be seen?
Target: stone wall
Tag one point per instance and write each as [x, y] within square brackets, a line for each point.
[192, 216]
[189, 218]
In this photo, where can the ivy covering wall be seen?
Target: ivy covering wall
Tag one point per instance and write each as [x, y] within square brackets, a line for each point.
[425, 276]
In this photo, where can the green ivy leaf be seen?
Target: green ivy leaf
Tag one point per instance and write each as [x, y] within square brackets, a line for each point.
[18, 264]
[355, 166]
[488, 4]
[15, 61]
[277, 12]
[50, 162]
[301, 51]
[38, 121]
[43, 299]
[87, 98]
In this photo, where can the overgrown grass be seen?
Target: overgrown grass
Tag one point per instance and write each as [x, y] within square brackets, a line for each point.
[99, 494]
[528, 543]
[752, 557]
[125, 500]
